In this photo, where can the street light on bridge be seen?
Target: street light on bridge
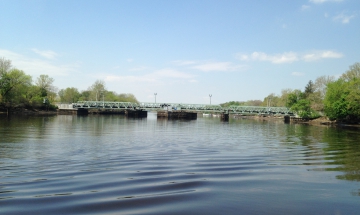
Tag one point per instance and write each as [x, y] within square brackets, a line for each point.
[210, 98]
[155, 97]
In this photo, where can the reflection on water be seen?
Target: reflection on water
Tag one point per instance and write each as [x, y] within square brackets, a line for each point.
[112, 164]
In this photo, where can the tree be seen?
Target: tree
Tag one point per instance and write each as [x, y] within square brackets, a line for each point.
[320, 87]
[97, 89]
[294, 97]
[302, 108]
[353, 98]
[321, 83]
[127, 97]
[13, 85]
[309, 89]
[44, 82]
[352, 73]
[85, 95]
[5, 66]
[335, 102]
[69, 95]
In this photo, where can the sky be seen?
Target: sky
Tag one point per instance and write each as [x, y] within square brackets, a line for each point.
[184, 51]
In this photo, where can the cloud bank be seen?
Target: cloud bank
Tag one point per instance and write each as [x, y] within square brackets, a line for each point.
[289, 57]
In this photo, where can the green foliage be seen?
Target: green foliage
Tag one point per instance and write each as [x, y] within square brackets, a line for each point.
[69, 95]
[16, 88]
[342, 100]
[302, 108]
[232, 103]
[238, 103]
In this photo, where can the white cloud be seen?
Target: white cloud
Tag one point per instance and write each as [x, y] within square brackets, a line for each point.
[323, 1]
[289, 57]
[36, 67]
[129, 60]
[45, 53]
[297, 74]
[317, 55]
[343, 18]
[217, 66]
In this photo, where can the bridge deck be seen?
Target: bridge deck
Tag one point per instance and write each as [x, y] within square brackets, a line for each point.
[179, 106]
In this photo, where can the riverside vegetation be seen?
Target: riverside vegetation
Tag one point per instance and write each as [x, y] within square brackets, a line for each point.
[18, 91]
[337, 99]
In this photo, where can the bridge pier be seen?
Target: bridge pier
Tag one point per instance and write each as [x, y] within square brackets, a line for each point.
[225, 117]
[176, 115]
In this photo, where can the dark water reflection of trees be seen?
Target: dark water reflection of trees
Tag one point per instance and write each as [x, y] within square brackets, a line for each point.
[340, 147]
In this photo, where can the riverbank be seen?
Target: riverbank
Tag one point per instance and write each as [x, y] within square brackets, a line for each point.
[321, 121]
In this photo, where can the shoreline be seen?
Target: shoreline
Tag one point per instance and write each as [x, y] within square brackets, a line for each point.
[321, 121]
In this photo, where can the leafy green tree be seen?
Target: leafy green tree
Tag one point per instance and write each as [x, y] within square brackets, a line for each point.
[127, 97]
[302, 108]
[13, 85]
[69, 95]
[353, 97]
[45, 83]
[294, 97]
[335, 102]
[85, 95]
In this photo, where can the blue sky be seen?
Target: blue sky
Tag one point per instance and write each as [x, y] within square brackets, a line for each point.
[236, 50]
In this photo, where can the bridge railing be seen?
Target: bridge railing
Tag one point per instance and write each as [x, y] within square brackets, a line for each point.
[180, 106]
[259, 109]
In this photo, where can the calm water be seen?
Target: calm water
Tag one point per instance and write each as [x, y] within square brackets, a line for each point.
[115, 165]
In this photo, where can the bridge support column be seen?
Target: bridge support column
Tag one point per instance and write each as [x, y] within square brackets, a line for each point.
[136, 113]
[287, 119]
[225, 117]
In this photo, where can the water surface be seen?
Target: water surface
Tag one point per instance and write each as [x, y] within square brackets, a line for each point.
[115, 165]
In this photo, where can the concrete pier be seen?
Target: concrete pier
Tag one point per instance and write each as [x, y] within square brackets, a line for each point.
[225, 117]
[177, 114]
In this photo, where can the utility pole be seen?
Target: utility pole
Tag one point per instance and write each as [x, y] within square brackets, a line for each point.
[210, 95]
[155, 97]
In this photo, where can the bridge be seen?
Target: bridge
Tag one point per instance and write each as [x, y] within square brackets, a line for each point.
[148, 106]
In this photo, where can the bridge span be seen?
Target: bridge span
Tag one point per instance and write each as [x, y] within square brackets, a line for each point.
[148, 106]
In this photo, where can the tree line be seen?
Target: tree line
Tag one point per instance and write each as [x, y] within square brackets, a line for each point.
[17, 89]
[336, 98]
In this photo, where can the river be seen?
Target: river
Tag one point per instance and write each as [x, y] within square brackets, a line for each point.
[116, 165]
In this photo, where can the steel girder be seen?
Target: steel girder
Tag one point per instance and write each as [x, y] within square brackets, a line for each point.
[109, 105]
[178, 106]
[258, 109]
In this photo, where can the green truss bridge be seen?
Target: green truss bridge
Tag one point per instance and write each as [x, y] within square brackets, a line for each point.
[148, 106]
